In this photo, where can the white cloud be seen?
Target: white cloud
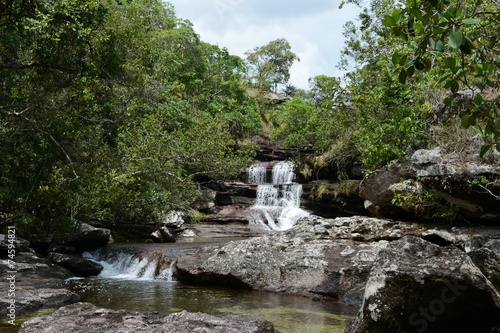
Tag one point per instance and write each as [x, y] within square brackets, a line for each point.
[313, 28]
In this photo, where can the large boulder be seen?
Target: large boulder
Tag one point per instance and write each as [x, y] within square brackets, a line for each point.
[419, 286]
[87, 318]
[78, 266]
[36, 282]
[467, 183]
[328, 257]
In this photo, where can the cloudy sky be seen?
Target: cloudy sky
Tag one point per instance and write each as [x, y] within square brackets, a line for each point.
[313, 28]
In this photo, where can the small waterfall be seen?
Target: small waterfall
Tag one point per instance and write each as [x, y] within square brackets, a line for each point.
[126, 266]
[277, 206]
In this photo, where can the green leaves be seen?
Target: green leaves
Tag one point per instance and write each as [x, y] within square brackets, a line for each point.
[436, 45]
[456, 38]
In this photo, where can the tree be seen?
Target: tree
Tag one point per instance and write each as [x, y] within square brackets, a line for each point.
[269, 65]
[459, 40]
[110, 110]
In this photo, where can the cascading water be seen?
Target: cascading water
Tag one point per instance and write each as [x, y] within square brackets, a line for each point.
[127, 266]
[277, 205]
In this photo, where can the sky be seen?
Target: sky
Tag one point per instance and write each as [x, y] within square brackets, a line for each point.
[313, 28]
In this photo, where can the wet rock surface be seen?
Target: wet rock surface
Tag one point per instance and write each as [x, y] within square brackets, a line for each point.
[78, 266]
[87, 318]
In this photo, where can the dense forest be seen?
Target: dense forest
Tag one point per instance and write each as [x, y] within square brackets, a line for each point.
[113, 110]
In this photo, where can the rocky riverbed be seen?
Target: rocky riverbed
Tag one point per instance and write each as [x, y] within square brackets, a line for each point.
[402, 276]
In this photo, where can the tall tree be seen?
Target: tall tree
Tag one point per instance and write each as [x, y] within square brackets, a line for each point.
[270, 64]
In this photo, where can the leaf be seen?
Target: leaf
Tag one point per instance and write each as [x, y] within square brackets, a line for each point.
[402, 77]
[395, 58]
[410, 71]
[437, 45]
[466, 46]
[402, 60]
[419, 65]
[455, 39]
[467, 121]
[451, 63]
[471, 21]
[484, 150]
[389, 21]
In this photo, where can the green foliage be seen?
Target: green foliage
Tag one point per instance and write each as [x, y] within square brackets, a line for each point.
[426, 206]
[460, 41]
[270, 64]
[110, 111]
[297, 121]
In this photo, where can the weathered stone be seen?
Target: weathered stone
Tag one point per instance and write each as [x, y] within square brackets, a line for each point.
[163, 235]
[487, 259]
[418, 286]
[37, 283]
[78, 266]
[31, 300]
[20, 245]
[87, 318]
[172, 219]
[186, 322]
[465, 182]
[330, 257]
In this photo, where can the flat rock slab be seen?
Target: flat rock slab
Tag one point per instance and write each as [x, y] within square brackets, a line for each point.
[87, 318]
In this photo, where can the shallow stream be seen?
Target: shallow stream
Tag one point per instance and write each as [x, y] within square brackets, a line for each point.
[120, 286]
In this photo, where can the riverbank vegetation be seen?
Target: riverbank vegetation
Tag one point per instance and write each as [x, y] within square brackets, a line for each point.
[115, 110]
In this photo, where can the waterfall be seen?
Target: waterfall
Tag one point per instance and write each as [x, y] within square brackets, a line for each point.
[277, 206]
[125, 266]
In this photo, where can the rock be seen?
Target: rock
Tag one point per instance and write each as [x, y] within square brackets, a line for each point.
[37, 284]
[328, 257]
[78, 266]
[375, 188]
[21, 245]
[466, 184]
[31, 300]
[418, 286]
[206, 200]
[186, 322]
[87, 318]
[163, 235]
[487, 259]
[172, 219]
[89, 238]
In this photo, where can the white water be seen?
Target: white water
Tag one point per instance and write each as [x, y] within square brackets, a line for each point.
[126, 266]
[277, 206]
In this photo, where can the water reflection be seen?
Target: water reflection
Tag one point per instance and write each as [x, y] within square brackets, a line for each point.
[288, 313]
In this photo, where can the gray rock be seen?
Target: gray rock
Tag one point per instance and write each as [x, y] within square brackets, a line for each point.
[186, 322]
[37, 284]
[78, 266]
[465, 182]
[172, 219]
[487, 259]
[163, 235]
[87, 318]
[20, 245]
[418, 286]
[330, 257]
